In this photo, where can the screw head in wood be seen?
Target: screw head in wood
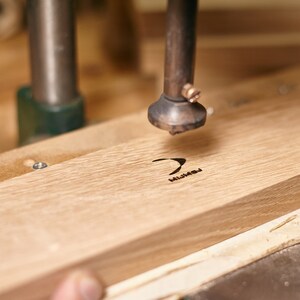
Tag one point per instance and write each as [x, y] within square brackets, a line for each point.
[39, 165]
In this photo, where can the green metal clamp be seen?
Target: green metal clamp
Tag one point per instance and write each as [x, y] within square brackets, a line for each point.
[38, 121]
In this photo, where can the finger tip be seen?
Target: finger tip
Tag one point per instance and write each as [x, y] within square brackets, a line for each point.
[79, 285]
[90, 288]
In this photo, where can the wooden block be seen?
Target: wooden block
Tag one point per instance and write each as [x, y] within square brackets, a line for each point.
[117, 211]
[227, 53]
[225, 60]
[157, 5]
[74, 144]
[267, 21]
[107, 134]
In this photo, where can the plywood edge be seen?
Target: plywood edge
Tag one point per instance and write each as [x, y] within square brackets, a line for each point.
[176, 279]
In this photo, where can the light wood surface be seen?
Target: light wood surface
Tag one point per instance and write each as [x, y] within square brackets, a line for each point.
[68, 146]
[115, 211]
[224, 61]
[220, 22]
[157, 5]
[196, 271]
[11, 17]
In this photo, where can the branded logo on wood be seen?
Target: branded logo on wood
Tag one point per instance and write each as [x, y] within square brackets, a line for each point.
[181, 162]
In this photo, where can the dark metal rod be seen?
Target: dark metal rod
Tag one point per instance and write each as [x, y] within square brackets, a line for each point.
[180, 46]
[52, 50]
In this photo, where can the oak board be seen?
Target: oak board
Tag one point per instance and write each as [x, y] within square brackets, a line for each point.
[116, 211]
[120, 130]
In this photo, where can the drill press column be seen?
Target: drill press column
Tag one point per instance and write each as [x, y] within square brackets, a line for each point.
[52, 105]
[52, 49]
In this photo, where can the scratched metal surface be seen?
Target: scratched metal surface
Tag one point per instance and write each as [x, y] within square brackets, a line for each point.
[276, 277]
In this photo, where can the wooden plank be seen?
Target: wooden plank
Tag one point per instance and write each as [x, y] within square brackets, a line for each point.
[74, 144]
[225, 60]
[198, 270]
[158, 5]
[117, 212]
[250, 21]
[107, 134]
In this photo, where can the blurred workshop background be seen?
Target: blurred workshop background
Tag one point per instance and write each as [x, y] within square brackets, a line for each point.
[121, 51]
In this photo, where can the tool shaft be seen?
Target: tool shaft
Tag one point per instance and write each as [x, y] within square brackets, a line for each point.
[180, 46]
[52, 50]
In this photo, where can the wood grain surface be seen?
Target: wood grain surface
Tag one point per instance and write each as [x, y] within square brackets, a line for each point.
[226, 60]
[68, 146]
[267, 21]
[116, 211]
[156, 5]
